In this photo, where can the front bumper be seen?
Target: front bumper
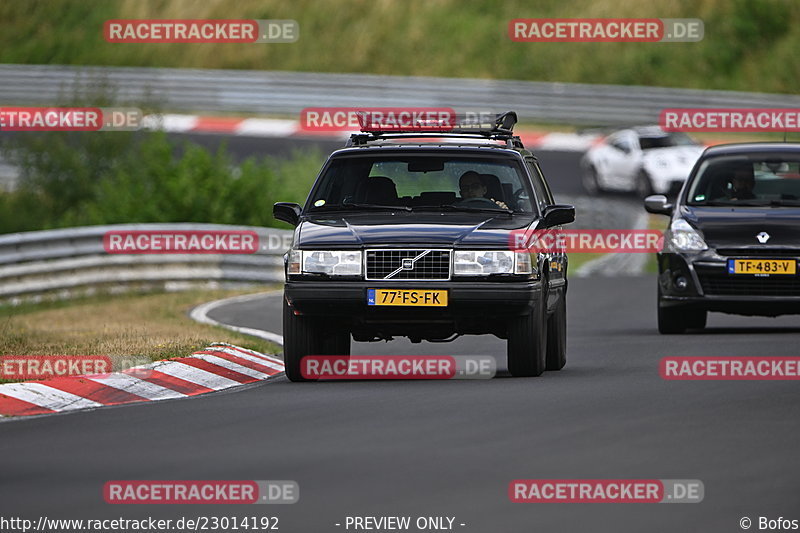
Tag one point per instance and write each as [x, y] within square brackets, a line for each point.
[474, 307]
[701, 281]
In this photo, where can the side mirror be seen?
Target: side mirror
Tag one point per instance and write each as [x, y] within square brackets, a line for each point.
[658, 204]
[557, 214]
[287, 212]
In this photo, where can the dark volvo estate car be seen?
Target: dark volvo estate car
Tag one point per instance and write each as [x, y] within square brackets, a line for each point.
[733, 244]
[408, 234]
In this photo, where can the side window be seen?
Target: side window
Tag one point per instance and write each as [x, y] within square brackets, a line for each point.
[622, 144]
[540, 188]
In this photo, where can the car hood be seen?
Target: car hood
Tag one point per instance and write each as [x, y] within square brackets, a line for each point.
[738, 226]
[352, 230]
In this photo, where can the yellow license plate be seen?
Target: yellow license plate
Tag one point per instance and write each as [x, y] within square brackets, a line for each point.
[764, 267]
[407, 297]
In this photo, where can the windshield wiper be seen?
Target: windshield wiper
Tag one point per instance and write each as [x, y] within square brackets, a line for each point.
[372, 207]
[450, 207]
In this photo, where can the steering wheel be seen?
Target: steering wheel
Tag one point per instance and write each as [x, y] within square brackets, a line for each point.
[521, 203]
[477, 202]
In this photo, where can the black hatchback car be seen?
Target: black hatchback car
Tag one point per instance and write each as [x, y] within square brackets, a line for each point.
[409, 233]
[733, 244]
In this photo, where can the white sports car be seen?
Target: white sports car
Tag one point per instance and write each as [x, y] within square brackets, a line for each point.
[644, 160]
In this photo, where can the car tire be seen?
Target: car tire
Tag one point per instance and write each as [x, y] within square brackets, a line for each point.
[557, 337]
[671, 320]
[589, 180]
[527, 342]
[336, 342]
[696, 318]
[644, 186]
[302, 336]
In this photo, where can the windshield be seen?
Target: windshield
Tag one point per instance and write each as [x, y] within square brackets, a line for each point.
[665, 141]
[422, 182]
[747, 181]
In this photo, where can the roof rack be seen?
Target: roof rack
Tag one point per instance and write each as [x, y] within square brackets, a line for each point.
[476, 125]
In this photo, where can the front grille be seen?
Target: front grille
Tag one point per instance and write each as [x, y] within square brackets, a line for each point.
[419, 264]
[758, 252]
[717, 282]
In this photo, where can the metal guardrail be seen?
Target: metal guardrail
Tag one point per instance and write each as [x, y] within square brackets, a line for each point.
[273, 92]
[65, 260]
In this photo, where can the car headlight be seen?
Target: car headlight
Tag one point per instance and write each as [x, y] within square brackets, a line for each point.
[331, 262]
[483, 263]
[684, 238]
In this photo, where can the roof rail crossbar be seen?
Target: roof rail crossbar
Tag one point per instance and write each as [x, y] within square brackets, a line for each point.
[501, 128]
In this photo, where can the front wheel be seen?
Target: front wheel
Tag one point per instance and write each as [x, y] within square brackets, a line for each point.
[696, 318]
[557, 337]
[671, 320]
[302, 336]
[589, 180]
[527, 342]
[336, 342]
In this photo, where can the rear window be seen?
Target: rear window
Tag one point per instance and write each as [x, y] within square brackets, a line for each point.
[421, 181]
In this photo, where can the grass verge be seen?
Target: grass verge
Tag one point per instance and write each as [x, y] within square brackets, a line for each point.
[128, 328]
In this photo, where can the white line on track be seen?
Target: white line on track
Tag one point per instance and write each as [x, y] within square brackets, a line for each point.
[200, 314]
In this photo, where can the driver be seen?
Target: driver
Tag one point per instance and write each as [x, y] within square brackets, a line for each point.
[742, 183]
[471, 187]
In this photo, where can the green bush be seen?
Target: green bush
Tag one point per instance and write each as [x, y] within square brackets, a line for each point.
[116, 177]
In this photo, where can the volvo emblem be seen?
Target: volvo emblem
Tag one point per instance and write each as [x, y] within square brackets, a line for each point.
[763, 237]
[407, 263]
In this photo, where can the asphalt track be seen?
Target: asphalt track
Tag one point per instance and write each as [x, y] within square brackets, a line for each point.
[450, 448]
